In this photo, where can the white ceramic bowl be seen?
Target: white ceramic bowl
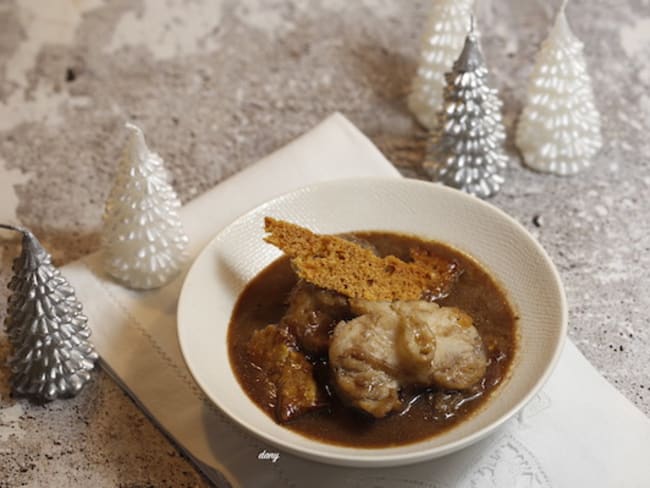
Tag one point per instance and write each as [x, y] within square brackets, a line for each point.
[427, 210]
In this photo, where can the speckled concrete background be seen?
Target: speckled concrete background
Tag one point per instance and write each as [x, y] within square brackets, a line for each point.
[217, 85]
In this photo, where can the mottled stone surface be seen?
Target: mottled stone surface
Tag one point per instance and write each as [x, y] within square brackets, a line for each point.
[217, 85]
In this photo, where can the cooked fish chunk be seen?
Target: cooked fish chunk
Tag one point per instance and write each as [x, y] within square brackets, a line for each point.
[312, 314]
[416, 346]
[369, 389]
[459, 360]
[365, 364]
[360, 306]
[399, 344]
[414, 343]
[291, 384]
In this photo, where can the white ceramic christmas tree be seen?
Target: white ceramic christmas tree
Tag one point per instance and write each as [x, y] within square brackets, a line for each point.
[441, 45]
[559, 127]
[143, 239]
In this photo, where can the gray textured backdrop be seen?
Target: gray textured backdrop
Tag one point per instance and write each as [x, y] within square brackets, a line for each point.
[217, 85]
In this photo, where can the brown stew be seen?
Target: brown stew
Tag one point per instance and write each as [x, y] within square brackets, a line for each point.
[426, 413]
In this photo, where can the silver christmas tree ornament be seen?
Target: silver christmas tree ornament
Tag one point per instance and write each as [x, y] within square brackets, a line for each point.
[559, 128]
[52, 356]
[466, 147]
[441, 44]
[143, 239]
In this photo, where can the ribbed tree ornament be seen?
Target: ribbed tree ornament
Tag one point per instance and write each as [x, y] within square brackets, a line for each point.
[52, 356]
[559, 127]
[441, 44]
[143, 239]
[466, 147]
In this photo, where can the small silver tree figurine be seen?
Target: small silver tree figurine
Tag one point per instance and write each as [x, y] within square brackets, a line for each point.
[466, 148]
[52, 357]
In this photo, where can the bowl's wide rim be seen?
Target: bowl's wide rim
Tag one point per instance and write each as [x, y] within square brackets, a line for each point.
[358, 457]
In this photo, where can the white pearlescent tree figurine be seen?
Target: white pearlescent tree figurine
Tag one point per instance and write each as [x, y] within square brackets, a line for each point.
[442, 42]
[559, 127]
[143, 239]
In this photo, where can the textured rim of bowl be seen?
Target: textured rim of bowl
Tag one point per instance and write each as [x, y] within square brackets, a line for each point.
[348, 457]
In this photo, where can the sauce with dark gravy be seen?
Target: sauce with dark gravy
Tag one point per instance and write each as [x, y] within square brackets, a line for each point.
[427, 412]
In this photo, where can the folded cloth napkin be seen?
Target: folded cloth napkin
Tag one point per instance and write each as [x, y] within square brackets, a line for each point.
[578, 431]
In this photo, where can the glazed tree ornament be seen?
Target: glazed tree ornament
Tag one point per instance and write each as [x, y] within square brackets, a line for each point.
[466, 148]
[441, 44]
[559, 127]
[52, 356]
[143, 240]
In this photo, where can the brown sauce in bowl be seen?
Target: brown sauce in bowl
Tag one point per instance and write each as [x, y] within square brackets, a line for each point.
[427, 412]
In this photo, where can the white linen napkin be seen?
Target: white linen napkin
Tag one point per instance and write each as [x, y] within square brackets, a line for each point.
[579, 431]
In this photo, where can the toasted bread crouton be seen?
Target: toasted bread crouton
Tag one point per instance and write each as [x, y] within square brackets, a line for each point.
[337, 264]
